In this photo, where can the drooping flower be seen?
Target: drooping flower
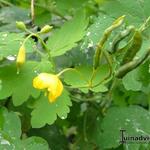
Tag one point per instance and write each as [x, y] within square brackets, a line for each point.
[50, 82]
[21, 56]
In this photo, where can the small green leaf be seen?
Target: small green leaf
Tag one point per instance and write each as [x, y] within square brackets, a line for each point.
[11, 123]
[130, 81]
[11, 132]
[81, 76]
[46, 113]
[65, 38]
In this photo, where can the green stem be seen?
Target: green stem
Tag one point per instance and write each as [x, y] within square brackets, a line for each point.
[84, 126]
[109, 95]
[123, 70]
[145, 25]
[51, 11]
[64, 70]
[110, 70]
[32, 11]
[43, 44]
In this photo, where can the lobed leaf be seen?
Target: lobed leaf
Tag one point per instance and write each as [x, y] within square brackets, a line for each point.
[68, 35]
[46, 113]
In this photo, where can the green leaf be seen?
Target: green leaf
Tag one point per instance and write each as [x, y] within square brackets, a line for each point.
[135, 11]
[34, 143]
[46, 113]
[65, 38]
[12, 124]
[130, 81]
[66, 6]
[138, 79]
[19, 86]
[96, 30]
[11, 132]
[11, 42]
[81, 76]
[124, 118]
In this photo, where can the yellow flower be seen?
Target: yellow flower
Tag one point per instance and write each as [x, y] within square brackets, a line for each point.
[21, 56]
[50, 82]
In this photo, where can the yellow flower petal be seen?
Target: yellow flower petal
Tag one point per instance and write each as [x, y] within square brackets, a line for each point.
[51, 82]
[21, 56]
[55, 92]
[44, 80]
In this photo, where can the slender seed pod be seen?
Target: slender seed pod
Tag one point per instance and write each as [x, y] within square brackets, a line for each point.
[119, 37]
[107, 32]
[123, 70]
[97, 57]
[134, 48]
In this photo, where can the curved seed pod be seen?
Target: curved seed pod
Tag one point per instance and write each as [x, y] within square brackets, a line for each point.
[107, 32]
[123, 70]
[134, 48]
[121, 36]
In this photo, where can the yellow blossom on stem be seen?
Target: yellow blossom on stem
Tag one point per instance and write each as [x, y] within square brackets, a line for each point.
[21, 56]
[50, 82]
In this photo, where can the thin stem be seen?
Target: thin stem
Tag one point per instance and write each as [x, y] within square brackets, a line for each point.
[123, 70]
[86, 99]
[145, 25]
[110, 70]
[51, 11]
[32, 11]
[109, 94]
[44, 45]
[92, 77]
[84, 126]
[63, 71]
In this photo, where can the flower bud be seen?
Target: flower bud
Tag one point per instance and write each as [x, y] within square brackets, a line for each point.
[20, 25]
[46, 29]
[21, 56]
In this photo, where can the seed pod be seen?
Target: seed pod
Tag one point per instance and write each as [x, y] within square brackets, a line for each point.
[20, 25]
[97, 56]
[134, 47]
[21, 56]
[119, 37]
[46, 29]
[107, 32]
[123, 70]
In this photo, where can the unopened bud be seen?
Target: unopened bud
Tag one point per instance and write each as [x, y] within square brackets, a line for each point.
[21, 56]
[46, 29]
[20, 25]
